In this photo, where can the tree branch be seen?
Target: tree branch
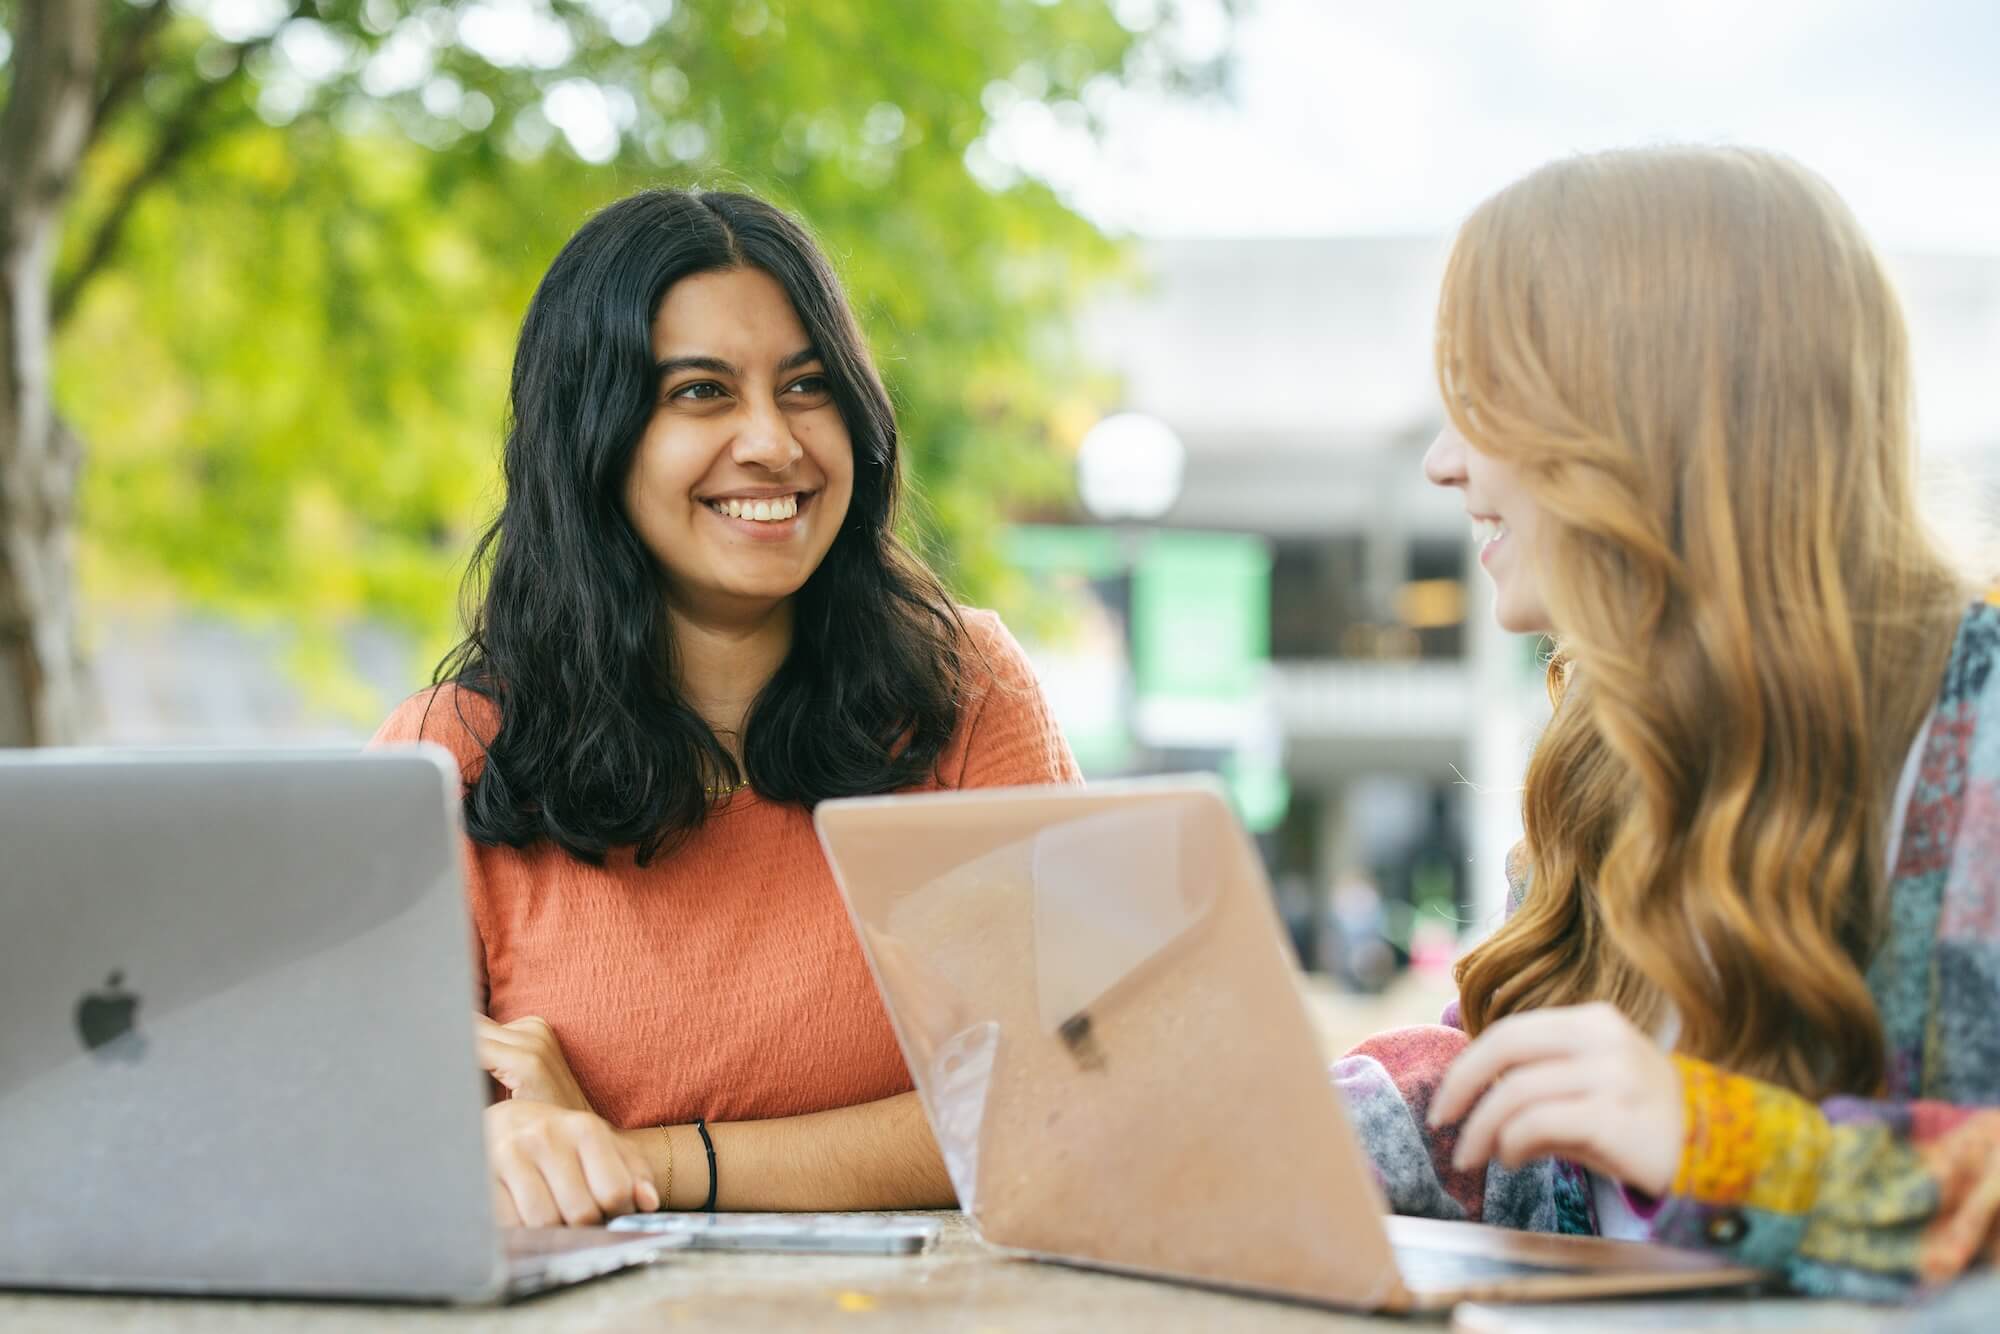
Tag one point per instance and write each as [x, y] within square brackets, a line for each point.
[127, 67]
[173, 143]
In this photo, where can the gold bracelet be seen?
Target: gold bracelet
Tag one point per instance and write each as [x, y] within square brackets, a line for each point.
[667, 1190]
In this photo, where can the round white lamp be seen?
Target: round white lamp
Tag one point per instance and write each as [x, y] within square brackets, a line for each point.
[1130, 466]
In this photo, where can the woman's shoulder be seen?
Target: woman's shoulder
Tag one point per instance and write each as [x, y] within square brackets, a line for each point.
[1972, 673]
[1007, 734]
[460, 719]
[996, 655]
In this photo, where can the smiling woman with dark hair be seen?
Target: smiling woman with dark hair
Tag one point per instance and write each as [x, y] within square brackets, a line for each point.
[697, 622]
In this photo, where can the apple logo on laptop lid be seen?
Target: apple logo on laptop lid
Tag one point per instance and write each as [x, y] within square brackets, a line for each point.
[107, 1021]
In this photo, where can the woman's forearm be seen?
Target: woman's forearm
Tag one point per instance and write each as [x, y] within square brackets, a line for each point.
[878, 1155]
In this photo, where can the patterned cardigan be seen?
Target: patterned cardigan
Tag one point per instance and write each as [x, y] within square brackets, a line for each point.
[1857, 1197]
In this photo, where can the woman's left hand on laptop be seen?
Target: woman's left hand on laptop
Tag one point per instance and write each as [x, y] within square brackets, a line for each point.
[553, 1166]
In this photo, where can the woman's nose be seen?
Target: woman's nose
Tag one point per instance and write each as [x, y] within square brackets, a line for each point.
[1444, 461]
[766, 440]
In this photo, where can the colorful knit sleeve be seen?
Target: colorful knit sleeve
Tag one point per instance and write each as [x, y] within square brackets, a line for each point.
[1852, 1197]
[1866, 1197]
[1387, 1083]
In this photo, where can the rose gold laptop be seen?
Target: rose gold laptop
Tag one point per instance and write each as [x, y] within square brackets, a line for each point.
[1104, 1024]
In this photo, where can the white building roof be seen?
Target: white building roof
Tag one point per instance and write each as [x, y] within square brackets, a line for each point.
[1298, 372]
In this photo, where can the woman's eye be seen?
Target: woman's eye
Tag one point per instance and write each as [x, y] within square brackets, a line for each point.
[812, 386]
[699, 391]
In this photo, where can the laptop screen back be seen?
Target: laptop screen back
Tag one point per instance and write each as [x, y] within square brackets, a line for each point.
[235, 1028]
[1095, 1001]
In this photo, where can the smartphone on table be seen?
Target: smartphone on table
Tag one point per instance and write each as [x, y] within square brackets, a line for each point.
[796, 1234]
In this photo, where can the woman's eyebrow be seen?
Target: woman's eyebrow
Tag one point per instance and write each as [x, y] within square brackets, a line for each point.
[717, 366]
[713, 365]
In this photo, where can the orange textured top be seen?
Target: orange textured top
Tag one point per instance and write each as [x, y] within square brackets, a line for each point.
[724, 980]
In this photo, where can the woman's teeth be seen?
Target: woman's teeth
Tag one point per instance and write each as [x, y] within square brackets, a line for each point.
[758, 511]
[1488, 531]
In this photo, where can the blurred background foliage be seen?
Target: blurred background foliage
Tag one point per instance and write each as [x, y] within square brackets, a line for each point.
[306, 234]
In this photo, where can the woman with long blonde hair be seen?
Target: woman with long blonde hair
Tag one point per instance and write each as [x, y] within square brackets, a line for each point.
[1745, 995]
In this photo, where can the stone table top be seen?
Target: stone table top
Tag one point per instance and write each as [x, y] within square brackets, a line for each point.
[959, 1287]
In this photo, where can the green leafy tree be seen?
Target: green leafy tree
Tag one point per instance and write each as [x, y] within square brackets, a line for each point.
[267, 258]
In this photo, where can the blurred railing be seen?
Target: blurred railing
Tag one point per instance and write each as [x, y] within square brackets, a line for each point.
[1374, 700]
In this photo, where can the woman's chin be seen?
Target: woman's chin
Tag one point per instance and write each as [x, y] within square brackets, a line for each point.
[732, 598]
[1519, 615]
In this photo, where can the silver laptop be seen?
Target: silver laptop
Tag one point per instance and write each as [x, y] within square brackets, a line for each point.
[236, 1045]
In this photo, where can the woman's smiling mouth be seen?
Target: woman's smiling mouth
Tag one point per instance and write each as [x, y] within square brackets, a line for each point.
[765, 513]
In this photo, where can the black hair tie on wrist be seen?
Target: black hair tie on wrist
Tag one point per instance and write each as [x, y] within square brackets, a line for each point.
[701, 1129]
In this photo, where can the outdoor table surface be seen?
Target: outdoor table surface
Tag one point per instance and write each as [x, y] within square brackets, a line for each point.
[960, 1287]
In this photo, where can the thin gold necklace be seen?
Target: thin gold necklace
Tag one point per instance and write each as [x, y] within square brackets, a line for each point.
[729, 791]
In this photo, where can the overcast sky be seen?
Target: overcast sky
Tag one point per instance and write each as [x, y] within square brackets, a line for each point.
[1398, 117]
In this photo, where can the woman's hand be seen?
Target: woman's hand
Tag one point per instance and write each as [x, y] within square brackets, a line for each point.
[551, 1166]
[526, 1059]
[1578, 1082]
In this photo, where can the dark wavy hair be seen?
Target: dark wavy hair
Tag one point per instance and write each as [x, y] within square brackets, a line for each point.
[596, 747]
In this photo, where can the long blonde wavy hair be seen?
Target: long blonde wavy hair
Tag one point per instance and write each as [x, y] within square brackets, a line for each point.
[1700, 371]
